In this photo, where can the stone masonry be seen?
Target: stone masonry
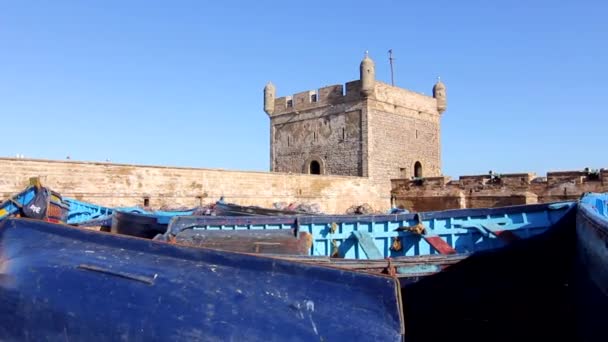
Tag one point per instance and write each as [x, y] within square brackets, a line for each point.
[128, 185]
[369, 129]
[480, 191]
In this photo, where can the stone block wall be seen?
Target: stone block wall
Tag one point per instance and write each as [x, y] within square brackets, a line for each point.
[404, 128]
[480, 191]
[331, 136]
[128, 185]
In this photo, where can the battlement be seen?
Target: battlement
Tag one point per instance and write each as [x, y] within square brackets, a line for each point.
[327, 96]
[338, 94]
[401, 97]
[509, 180]
[489, 190]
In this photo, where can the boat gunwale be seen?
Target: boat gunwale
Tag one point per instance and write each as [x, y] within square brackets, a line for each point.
[328, 219]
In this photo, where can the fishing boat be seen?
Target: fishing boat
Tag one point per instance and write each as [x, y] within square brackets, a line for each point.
[522, 292]
[86, 214]
[67, 283]
[223, 208]
[70, 284]
[373, 237]
[36, 202]
[592, 264]
[143, 223]
[83, 212]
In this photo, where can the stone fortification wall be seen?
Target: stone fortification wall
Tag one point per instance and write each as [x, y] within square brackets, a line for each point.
[127, 185]
[438, 193]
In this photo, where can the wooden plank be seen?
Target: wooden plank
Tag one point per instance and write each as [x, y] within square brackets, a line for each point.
[498, 231]
[366, 242]
[440, 245]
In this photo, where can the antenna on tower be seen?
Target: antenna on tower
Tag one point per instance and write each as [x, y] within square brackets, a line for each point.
[390, 60]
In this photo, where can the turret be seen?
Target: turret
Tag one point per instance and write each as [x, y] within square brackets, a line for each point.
[440, 95]
[269, 95]
[367, 73]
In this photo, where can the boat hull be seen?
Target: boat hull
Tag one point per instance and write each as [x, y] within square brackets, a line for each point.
[136, 224]
[70, 284]
[592, 265]
[382, 236]
[522, 292]
[230, 209]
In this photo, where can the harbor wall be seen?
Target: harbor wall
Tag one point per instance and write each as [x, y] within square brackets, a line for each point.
[112, 184]
[480, 191]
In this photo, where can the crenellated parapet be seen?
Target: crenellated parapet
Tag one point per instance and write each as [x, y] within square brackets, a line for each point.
[317, 98]
[366, 87]
[492, 189]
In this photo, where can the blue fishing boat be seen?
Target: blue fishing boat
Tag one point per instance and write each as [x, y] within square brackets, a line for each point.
[461, 231]
[524, 291]
[36, 202]
[223, 208]
[126, 220]
[60, 283]
[82, 212]
[142, 223]
[592, 264]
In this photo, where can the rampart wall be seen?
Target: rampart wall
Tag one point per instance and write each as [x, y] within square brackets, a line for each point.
[128, 185]
[438, 193]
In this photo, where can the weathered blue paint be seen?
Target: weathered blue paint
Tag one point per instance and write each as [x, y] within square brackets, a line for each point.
[331, 233]
[367, 245]
[68, 284]
[419, 269]
[81, 212]
[85, 213]
[592, 238]
[592, 266]
[13, 205]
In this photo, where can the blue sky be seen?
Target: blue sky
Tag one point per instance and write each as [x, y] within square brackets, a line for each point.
[180, 82]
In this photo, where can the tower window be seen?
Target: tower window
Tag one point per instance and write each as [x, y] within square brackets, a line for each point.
[146, 201]
[417, 170]
[343, 134]
[290, 103]
[314, 168]
[288, 142]
[313, 98]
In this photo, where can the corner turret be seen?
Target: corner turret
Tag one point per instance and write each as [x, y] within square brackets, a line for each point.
[269, 96]
[439, 93]
[367, 75]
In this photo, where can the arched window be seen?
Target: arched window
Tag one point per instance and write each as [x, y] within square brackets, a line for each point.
[314, 168]
[417, 170]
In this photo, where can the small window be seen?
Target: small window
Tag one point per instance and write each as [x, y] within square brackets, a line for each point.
[343, 134]
[146, 201]
[416, 134]
[289, 103]
[417, 170]
[314, 136]
[314, 168]
[313, 98]
[288, 142]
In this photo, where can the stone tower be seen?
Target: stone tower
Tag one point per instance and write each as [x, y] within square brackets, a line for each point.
[371, 130]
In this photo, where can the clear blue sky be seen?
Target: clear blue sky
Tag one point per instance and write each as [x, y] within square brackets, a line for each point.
[180, 82]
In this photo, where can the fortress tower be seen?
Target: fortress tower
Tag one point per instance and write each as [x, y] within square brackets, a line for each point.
[371, 130]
